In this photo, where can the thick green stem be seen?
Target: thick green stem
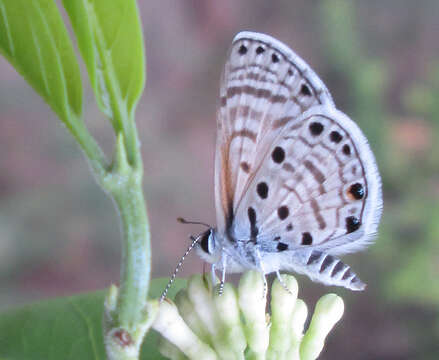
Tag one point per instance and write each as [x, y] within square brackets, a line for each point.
[128, 315]
[136, 256]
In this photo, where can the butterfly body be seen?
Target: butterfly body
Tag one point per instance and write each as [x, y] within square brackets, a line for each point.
[295, 179]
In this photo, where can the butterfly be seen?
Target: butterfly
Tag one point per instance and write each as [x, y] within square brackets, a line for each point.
[296, 183]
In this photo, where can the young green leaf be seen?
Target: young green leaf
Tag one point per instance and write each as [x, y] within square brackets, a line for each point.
[34, 40]
[110, 40]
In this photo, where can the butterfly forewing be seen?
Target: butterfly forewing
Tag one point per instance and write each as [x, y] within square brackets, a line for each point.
[264, 87]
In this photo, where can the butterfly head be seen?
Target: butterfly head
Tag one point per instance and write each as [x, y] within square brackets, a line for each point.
[207, 247]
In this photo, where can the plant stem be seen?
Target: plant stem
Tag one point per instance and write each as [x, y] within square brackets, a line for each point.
[92, 150]
[136, 256]
[124, 183]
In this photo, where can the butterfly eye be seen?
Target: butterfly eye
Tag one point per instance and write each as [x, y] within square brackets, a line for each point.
[207, 242]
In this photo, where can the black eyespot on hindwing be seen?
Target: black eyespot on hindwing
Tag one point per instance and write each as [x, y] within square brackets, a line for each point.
[315, 128]
[274, 58]
[281, 247]
[242, 50]
[306, 238]
[259, 50]
[356, 191]
[346, 149]
[283, 212]
[304, 90]
[352, 224]
[335, 137]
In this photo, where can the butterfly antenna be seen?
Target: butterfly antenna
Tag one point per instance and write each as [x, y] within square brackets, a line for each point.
[180, 263]
[184, 221]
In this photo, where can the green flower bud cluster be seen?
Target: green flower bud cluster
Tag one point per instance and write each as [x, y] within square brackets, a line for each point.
[203, 325]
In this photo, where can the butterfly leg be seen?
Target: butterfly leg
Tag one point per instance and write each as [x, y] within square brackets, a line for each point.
[223, 275]
[282, 282]
[213, 275]
[261, 265]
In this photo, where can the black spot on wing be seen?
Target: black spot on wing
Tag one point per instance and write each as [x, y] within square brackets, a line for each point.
[283, 212]
[262, 190]
[352, 224]
[253, 228]
[304, 90]
[335, 137]
[306, 238]
[278, 155]
[356, 191]
[281, 247]
[242, 50]
[316, 128]
[346, 149]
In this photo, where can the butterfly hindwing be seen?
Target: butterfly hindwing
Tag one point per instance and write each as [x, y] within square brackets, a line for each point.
[318, 187]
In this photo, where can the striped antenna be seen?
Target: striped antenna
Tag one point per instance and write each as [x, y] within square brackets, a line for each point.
[180, 263]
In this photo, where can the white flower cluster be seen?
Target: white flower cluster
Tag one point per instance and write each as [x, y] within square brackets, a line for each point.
[203, 325]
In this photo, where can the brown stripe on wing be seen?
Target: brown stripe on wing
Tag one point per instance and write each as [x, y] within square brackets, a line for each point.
[245, 133]
[316, 210]
[245, 111]
[258, 93]
[278, 123]
[316, 173]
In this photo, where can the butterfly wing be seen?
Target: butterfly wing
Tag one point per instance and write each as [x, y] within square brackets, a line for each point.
[317, 188]
[264, 86]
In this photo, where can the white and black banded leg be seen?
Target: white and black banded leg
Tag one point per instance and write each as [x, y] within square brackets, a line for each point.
[329, 270]
[264, 277]
[223, 275]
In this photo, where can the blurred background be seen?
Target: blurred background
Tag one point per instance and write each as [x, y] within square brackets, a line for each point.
[59, 233]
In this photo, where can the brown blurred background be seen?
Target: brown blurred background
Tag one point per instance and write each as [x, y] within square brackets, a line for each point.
[59, 233]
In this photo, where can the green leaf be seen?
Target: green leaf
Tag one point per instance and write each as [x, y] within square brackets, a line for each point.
[66, 328]
[110, 40]
[34, 40]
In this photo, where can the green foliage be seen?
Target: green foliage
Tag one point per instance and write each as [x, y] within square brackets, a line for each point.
[65, 328]
[111, 44]
[35, 41]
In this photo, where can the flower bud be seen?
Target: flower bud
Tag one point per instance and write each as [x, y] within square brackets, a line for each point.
[282, 307]
[172, 327]
[252, 304]
[329, 310]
